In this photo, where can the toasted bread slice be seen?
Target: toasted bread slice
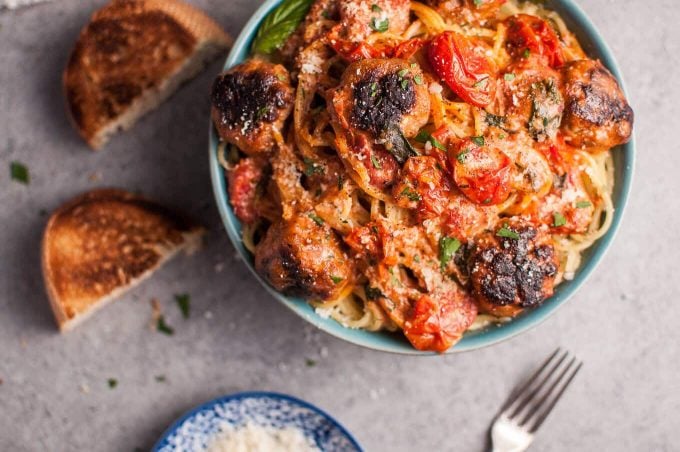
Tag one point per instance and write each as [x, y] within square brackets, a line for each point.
[132, 56]
[102, 243]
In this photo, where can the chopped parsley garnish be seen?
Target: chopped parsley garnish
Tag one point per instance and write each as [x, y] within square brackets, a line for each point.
[375, 8]
[410, 194]
[318, 220]
[183, 302]
[337, 279]
[380, 26]
[478, 2]
[310, 362]
[481, 82]
[583, 204]
[479, 141]
[261, 112]
[374, 89]
[494, 120]
[424, 137]
[372, 293]
[526, 53]
[312, 168]
[375, 162]
[507, 233]
[402, 73]
[418, 79]
[282, 77]
[558, 219]
[462, 156]
[501, 136]
[19, 172]
[112, 383]
[404, 84]
[163, 327]
[509, 77]
[447, 249]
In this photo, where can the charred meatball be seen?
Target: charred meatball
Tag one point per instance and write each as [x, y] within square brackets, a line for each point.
[512, 267]
[597, 114]
[250, 103]
[376, 94]
[302, 257]
[378, 104]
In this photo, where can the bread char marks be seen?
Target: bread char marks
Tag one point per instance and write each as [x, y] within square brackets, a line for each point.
[381, 100]
[115, 242]
[103, 242]
[115, 59]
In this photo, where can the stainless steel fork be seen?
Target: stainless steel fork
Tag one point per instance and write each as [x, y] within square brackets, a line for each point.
[527, 407]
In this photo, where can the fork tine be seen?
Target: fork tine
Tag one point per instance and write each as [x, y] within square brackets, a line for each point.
[517, 392]
[553, 402]
[537, 402]
[539, 387]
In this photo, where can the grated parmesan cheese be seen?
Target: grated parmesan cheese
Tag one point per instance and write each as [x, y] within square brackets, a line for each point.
[257, 438]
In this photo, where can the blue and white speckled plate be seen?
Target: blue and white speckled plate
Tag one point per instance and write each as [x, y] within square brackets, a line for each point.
[196, 429]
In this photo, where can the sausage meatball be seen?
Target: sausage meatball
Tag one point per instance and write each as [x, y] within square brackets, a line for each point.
[512, 267]
[376, 94]
[377, 105]
[597, 114]
[533, 99]
[250, 103]
[302, 257]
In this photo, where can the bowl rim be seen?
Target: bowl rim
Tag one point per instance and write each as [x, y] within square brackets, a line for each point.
[579, 24]
[253, 395]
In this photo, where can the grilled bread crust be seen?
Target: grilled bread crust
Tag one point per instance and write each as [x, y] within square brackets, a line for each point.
[131, 56]
[102, 243]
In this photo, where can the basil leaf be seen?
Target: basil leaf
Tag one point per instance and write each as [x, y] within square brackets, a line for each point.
[279, 25]
[447, 249]
[507, 233]
[397, 144]
[19, 172]
[558, 219]
[372, 293]
[184, 303]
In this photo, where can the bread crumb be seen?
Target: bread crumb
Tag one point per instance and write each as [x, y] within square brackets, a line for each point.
[155, 313]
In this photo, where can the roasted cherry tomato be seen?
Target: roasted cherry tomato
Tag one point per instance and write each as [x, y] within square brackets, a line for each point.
[467, 72]
[406, 49]
[482, 173]
[437, 324]
[243, 180]
[531, 35]
[355, 51]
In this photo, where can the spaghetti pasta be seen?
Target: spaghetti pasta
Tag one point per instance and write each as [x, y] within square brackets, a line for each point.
[436, 176]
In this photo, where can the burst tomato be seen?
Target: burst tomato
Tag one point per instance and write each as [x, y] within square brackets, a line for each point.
[482, 173]
[243, 180]
[467, 72]
[531, 35]
[437, 324]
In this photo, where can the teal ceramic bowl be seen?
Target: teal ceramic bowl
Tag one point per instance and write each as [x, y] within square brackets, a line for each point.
[624, 158]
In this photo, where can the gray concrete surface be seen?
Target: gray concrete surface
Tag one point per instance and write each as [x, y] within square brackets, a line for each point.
[54, 394]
